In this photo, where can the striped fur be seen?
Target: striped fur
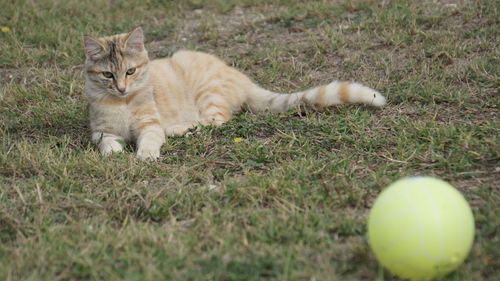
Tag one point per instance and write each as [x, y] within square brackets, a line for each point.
[137, 100]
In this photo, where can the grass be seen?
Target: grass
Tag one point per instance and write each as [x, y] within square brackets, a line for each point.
[290, 201]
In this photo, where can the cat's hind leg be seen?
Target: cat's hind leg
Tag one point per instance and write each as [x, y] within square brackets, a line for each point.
[213, 108]
[180, 128]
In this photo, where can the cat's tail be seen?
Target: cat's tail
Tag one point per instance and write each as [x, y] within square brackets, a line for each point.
[320, 97]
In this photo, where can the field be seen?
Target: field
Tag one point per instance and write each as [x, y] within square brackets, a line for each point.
[264, 197]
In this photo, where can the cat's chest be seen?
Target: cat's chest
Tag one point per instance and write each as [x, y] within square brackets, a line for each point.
[115, 119]
[122, 121]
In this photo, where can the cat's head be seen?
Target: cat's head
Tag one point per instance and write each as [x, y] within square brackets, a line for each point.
[118, 64]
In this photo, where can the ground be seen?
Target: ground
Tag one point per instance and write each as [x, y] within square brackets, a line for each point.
[264, 197]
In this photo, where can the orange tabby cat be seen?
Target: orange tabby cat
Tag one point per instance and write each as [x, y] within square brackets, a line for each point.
[134, 99]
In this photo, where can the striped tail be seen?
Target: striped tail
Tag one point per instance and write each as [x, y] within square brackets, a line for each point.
[319, 97]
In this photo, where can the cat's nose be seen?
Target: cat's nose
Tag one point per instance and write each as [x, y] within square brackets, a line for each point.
[122, 89]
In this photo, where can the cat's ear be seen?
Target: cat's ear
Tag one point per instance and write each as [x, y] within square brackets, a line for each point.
[135, 40]
[92, 47]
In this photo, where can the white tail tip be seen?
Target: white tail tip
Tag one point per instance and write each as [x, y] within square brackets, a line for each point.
[378, 99]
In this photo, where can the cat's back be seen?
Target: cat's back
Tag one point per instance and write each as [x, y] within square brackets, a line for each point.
[193, 59]
[185, 71]
[184, 61]
[163, 68]
[166, 75]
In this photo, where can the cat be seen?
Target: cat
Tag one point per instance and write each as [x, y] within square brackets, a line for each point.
[133, 99]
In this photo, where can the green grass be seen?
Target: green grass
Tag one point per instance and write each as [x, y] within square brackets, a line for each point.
[289, 202]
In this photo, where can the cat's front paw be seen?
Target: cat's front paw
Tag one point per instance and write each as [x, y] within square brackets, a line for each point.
[108, 146]
[146, 153]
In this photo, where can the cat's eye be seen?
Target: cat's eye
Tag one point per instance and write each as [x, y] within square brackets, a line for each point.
[107, 74]
[131, 71]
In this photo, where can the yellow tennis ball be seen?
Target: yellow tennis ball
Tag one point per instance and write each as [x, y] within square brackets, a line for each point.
[420, 227]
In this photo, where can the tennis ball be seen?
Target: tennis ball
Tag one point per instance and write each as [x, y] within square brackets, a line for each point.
[420, 228]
